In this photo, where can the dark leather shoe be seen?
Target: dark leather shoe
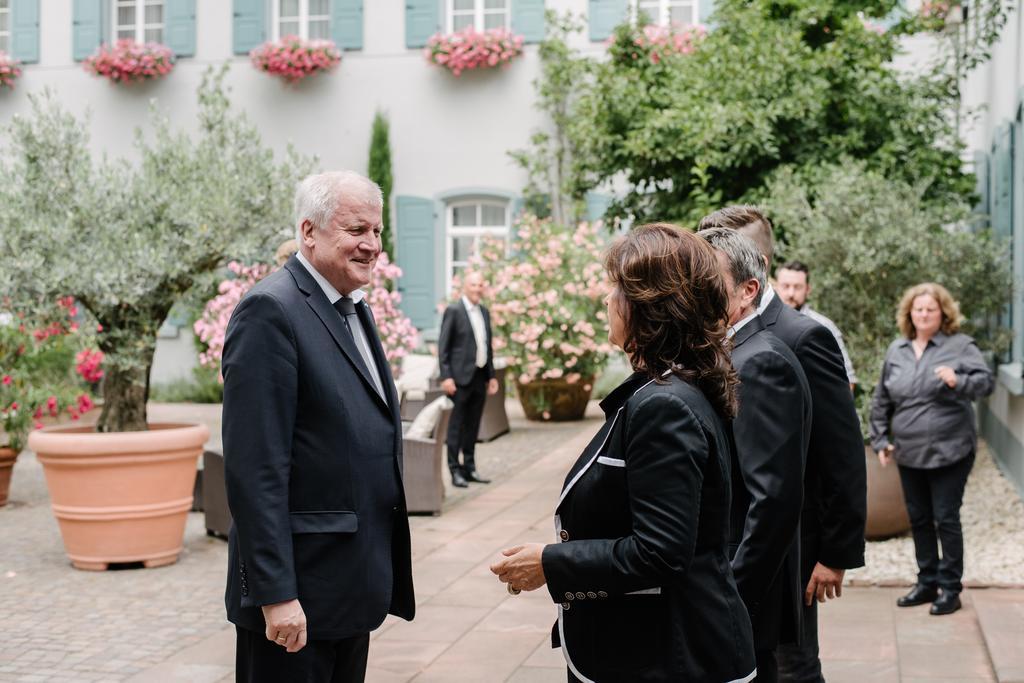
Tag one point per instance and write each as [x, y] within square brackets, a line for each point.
[947, 603]
[473, 476]
[918, 595]
[458, 480]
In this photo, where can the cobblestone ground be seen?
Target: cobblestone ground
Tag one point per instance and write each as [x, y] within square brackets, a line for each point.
[70, 625]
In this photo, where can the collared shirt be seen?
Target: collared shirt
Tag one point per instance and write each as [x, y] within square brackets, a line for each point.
[930, 424]
[731, 332]
[766, 298]
[358, 333]
[831, 327]
[476, 320]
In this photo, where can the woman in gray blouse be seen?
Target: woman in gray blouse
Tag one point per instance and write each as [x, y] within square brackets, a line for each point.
[922, 418]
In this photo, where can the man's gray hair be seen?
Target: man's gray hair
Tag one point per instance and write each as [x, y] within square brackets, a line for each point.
[318, 196]
[745, 262]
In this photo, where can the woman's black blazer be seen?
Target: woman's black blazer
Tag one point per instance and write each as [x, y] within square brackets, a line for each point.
[641, 572]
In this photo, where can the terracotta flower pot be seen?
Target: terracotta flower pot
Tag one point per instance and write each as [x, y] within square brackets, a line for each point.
[887, 511]
[555, 400]
[7, 458]
[120, 497]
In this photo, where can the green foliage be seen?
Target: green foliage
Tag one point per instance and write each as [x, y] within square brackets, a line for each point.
[127, 239]
[379, 171]
[202, 387]
[867, 239]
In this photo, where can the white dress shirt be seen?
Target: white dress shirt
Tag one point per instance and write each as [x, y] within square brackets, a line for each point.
[731, 332]
[476, 320]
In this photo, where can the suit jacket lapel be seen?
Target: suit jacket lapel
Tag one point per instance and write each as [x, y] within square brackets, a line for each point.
[748, 331]
[771, 312]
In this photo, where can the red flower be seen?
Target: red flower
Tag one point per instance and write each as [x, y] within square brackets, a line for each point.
[7, 380]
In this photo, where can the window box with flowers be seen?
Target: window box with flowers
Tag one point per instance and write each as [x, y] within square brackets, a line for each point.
[130, 62]
[294, 58]
[469, 48]
[10, 70]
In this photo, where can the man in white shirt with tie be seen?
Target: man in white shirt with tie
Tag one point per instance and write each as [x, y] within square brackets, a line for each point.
[467, 375]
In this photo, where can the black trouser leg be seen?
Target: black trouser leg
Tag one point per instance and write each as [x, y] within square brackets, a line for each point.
[917, 493]
[767, 666]
[257, 660]
[464, 423]
[800, 663]
[947, 485]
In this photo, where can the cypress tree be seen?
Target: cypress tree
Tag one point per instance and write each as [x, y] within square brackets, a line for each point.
[379, 171]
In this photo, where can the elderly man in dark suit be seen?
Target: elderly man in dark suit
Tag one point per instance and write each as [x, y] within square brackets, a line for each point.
[319, 552]
[466, 357]
[769, 435]
[835, 488]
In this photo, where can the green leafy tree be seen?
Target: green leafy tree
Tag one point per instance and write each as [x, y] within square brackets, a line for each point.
[379, 171]
[128, 238]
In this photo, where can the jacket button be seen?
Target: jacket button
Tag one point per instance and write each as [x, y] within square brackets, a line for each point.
[566, 606]
[581, 596]
[591, 594]
[569, 595]
[564, 535]
[602, 594]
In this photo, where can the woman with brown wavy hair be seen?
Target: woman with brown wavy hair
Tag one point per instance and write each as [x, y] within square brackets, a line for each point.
[641, 572]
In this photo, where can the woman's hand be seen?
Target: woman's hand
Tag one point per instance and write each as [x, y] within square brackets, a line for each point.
[521, 567]
[947, 375]
[885, 455]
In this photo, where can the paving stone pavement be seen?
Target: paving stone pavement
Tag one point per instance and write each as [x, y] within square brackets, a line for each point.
[167, 624]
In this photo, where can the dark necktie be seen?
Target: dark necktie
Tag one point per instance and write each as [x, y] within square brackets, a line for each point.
[347, 308]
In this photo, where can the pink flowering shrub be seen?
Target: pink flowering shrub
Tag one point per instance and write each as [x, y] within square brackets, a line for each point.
[130, 62]
[397, 333]
[472, 49]
[293, 58]
[87, 365]
[547, 300]
[10, 70]
[660, 41]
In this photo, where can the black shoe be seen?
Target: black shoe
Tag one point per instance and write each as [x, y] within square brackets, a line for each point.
[473, 476]
[918, 595]
[947, 603]
[458, 480]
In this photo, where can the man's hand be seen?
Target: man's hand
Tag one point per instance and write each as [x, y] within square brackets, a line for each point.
[825, 583]
[448, 386]
[492, 387]
[947, 375]
[521, 567]
[885, 455]
[286, 624]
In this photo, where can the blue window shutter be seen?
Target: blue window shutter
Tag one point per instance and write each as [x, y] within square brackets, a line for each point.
[528, 19]
[422, 20]
[180, 27]
[597, 205]
[604, 16]
[981, 186]
[250, 25]
[88, 27]
[415, 256]
[707, 7]
[347, 24]
[25, 30]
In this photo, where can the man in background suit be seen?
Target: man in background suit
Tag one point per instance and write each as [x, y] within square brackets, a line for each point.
[835, 489]
[769, 437]
[466, 358]
[319, 552]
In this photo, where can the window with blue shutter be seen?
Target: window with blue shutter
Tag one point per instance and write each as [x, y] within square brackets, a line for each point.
[249, 25]
[604, 16]
[180, 26]
[422, 20]
[597, 205]
[88, 27]
[528, 19]
[981, 186]
[347, 24]
[1001, 196]
[415, 229]
[24, 19]
[704, 11]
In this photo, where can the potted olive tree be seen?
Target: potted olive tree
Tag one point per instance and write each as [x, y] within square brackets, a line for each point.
[867, 239]
[127, 238]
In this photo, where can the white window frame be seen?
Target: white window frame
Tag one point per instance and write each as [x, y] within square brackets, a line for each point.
[140, 20]
[664, 10]
[479, 12]
[5, 36]
[452, 231]
[304, 19]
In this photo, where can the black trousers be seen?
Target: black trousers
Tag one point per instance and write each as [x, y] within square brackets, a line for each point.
[800, 663]
[257, 660]
[934, 497]
[464, 423]
[767, 666]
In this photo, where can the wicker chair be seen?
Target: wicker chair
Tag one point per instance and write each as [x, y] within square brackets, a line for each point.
[423, 474]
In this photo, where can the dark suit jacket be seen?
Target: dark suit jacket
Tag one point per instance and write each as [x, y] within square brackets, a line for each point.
[312, 459]
[642, 573]
[456, 345]
[770, 437]
[835, 480]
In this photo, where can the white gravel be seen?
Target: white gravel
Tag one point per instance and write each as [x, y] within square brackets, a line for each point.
[993, 522]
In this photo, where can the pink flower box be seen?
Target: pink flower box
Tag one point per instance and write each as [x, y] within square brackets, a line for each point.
[472, 49]
[130, 62]
[10, 70]
[293, 58]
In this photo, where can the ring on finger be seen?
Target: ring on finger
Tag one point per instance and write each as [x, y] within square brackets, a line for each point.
[512, 590]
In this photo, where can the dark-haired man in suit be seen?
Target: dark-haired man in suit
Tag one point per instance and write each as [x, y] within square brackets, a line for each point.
[466, 358]
[319, 553]
[769, 437]
[835, 488]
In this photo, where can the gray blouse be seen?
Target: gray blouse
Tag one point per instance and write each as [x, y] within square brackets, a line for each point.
[930, 424]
